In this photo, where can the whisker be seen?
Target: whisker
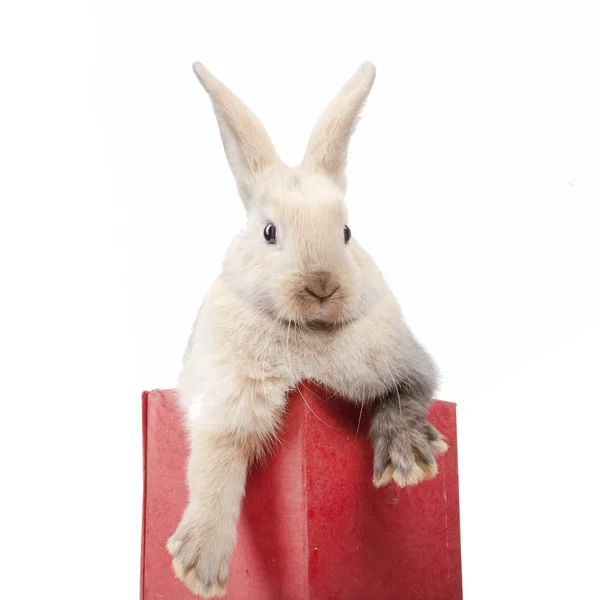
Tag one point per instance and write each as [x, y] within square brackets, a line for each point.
[313, 412]
[362, 404]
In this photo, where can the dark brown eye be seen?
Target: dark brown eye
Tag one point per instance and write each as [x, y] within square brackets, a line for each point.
[270, 233]
[347, 233]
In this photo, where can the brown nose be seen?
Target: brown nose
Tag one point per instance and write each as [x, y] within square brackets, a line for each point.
[321, 284]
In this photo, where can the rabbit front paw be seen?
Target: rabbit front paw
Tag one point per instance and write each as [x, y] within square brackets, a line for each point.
[405, 451]
[201, 549]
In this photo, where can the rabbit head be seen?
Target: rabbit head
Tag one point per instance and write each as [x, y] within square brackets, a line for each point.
[296, 258]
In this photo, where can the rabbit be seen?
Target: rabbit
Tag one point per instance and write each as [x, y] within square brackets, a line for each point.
[297, 299]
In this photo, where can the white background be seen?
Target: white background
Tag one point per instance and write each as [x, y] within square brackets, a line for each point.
[473, 181]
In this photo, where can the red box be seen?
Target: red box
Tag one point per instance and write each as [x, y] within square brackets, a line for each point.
[312, 524]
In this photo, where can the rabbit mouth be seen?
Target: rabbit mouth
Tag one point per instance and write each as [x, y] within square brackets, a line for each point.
[316, 297]
[319, 325]
[320, 305]
[320, 296]
[320, 310]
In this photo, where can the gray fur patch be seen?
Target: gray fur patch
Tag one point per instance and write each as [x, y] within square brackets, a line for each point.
[400, 434]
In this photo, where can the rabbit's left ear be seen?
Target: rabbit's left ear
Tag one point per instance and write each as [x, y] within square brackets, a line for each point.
[327, 150]
[247, 145]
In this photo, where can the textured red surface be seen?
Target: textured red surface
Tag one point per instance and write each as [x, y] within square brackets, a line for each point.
[312, 524]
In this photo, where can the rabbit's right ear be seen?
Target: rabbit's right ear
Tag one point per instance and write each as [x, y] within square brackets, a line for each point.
[247, 145]
[327, 150]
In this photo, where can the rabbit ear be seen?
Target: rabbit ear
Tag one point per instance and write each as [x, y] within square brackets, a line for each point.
[247, 145]
[327, 149]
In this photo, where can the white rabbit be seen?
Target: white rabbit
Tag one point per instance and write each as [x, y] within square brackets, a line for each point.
[297, 299]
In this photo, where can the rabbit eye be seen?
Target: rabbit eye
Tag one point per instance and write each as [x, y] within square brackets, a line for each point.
[270, 233]
[347, 234]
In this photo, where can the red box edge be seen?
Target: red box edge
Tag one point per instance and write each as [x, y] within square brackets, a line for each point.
[460, 561]
[145, 396]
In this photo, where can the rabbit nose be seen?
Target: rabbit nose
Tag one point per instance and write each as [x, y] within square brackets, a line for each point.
[321, 284]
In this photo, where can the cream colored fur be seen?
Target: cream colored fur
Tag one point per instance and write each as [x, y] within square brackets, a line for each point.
[256, 335]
